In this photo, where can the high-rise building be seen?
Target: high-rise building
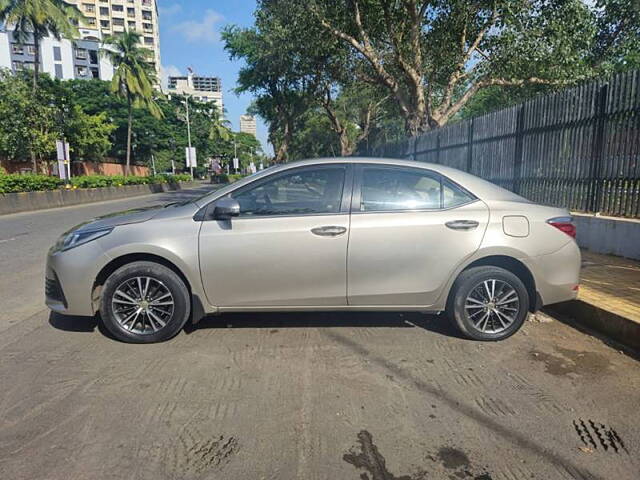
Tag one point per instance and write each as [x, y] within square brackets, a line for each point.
[80, 59]
[63, 59]
[203, 89]
[117, 16]
[248, 124]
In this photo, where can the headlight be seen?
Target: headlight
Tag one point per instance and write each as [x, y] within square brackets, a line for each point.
[79, 237]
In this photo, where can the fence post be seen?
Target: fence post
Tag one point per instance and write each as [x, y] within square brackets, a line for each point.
[470, 146]
[438, 147]
[595, 185]
[519, 150]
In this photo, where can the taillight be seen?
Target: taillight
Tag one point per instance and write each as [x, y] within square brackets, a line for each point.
[564, 224]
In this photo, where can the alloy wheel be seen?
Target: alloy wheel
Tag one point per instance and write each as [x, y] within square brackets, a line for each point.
[142, 305]
[492, 306]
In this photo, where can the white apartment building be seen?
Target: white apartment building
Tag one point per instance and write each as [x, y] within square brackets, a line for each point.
[203, 89]
[248, 124]
[117, 16]
[63, 59]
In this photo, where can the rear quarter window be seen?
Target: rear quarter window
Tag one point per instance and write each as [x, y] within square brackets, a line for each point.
[453, 195]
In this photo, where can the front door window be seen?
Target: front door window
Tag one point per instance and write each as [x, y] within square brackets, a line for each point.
[302, 192]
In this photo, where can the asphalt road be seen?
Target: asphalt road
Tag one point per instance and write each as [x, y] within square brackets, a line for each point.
[298, 396]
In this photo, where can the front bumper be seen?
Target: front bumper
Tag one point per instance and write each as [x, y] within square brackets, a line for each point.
[70, 277]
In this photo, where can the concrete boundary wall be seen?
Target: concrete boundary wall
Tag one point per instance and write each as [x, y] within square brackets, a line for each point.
[29, 201]
[609, 235]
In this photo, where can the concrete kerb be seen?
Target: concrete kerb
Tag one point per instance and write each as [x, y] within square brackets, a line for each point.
[31, 201]
[621, 330]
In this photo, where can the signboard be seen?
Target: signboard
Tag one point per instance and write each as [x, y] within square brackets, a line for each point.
[190, 153]
[252, 168]
[236, 163]
[62, 151]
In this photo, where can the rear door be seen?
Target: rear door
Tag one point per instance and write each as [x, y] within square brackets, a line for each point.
[410, 229]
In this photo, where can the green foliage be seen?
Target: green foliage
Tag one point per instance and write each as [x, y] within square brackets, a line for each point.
[100, 181]
[420, 63]
[31, 183]
[30, 123]
[27, 183]
[27, 120]
[89, 135]
[234, 177]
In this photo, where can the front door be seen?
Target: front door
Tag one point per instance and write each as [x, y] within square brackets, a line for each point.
[410, 229]
[288, 247]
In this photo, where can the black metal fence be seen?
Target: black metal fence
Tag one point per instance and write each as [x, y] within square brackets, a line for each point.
[578, 148]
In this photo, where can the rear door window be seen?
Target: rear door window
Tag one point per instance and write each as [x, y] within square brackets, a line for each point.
[385, 189]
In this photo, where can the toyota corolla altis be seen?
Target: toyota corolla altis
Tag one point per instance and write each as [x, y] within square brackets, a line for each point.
[332, 234]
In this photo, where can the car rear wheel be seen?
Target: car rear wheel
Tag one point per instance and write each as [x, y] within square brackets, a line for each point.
[144, 302]
[488, 303]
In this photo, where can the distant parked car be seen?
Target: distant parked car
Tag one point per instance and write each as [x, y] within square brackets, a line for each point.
[333, 234]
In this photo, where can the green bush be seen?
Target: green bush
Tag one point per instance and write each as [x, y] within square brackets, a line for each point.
[220, 178]
[13, 183]
[234, 177]
[31, 183]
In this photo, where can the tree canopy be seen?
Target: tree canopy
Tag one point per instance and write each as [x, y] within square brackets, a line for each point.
[375, 68]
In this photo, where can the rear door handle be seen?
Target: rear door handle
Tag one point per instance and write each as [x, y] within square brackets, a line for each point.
[329, 231]
[462, 224]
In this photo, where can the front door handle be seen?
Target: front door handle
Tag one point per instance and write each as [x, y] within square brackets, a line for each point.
[462, 224]
[329, 231]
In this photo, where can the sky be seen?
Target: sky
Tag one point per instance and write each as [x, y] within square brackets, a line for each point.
[190, 37]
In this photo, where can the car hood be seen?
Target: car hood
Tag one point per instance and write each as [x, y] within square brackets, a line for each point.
[136, 215]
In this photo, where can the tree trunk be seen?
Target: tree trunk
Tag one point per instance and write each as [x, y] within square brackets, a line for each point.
[36, 61]
[283, 149]
[127, 170]
[346, 145]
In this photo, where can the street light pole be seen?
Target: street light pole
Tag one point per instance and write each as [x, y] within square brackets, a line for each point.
[189, 137]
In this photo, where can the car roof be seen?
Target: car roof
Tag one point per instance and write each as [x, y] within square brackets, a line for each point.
[482, 189]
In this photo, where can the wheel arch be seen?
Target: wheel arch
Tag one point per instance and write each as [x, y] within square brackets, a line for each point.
[512, 265]
[197, 309]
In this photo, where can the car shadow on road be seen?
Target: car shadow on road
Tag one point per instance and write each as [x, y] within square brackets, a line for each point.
[438, 324]
[73, 323]
[433, 323]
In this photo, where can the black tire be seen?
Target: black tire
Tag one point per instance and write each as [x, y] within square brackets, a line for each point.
[144, 329]
[468, 282]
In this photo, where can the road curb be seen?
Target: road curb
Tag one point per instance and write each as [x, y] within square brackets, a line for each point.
[616, 327]
[33, 201]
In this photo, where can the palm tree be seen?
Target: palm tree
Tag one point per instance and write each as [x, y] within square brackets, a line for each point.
[40, 18]
[220, 129]
[133, 79]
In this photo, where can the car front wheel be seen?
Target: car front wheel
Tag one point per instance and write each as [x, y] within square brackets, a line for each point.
[144, 302]
[488, 303]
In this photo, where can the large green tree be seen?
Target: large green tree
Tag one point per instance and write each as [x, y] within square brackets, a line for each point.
[429, 57]
[31, 123]
[432, 57]
[36, 19]
[281, 93]
[133, 79]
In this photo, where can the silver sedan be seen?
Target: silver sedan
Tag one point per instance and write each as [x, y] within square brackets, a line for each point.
[331, 234]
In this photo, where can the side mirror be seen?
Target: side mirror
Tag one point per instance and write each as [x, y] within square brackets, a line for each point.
[225, 208]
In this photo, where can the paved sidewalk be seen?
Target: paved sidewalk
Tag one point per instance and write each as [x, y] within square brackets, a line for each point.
[611, 283]
[609, 299]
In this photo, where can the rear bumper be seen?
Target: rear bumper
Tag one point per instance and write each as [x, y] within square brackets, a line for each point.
[557, 274]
